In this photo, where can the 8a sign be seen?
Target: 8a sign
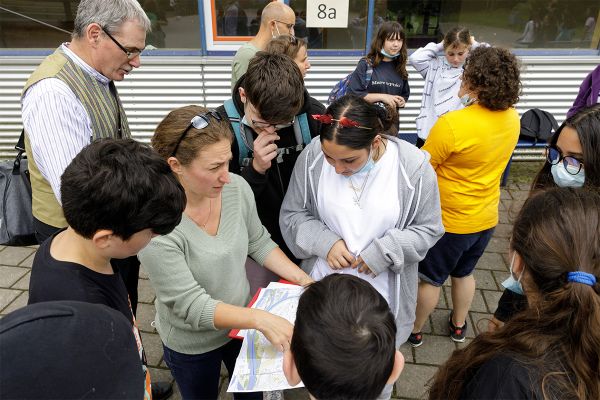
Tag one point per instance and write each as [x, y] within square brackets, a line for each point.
[327, 13]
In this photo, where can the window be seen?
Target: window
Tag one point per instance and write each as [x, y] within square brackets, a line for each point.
[352, 38]
[563, 24]
[46, 24]
[535, 24]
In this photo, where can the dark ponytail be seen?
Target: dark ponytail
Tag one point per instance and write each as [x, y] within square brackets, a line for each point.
[558, 336]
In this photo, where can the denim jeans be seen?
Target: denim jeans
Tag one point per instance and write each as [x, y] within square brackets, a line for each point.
[197, 375]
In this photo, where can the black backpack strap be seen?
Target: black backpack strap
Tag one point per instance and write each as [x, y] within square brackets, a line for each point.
[20, 147]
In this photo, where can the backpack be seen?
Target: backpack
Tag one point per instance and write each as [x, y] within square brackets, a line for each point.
[16, 219]
[243, 151]
[341, 88]
[537, 125]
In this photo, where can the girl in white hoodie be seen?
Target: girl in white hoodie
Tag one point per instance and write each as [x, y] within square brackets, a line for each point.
[363, 203]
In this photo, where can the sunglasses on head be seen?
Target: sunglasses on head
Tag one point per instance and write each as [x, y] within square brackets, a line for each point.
[200, 121]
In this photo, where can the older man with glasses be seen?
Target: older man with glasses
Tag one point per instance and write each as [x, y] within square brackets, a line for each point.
[276, 19]
[71, 99]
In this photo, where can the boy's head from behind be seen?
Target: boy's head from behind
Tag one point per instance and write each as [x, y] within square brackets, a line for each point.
[274, 86]
[118, 188]
[344, 341]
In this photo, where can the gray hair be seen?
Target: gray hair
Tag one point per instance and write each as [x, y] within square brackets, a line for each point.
[109, 14]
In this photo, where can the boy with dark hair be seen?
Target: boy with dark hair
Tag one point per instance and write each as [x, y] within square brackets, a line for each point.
[270, 117]
[344, 341]
[116, 195]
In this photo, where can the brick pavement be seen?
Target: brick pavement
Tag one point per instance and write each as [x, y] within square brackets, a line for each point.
[421, 363]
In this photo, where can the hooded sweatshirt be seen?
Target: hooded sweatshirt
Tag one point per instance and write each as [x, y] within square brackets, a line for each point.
[270, 188]
[418, 228]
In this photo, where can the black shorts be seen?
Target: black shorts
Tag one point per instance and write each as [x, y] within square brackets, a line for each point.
[453, 255]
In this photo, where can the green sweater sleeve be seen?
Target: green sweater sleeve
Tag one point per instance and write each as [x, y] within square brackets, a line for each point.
[192, 271]
[174, 284]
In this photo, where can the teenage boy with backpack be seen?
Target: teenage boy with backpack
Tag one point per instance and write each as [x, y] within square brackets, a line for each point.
[270, 115]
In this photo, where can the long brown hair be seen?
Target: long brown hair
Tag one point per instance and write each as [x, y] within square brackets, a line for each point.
[557, 337]
[389, 30]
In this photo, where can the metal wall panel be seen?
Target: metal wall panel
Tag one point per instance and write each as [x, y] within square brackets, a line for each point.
[164, 83]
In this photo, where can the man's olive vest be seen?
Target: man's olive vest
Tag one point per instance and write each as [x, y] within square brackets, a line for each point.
[103, 108]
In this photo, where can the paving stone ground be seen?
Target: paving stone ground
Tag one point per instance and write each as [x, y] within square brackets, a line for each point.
[421, 363]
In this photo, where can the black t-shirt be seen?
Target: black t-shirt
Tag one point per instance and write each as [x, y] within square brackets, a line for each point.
[502, 378]
[509, 305]
[52, 280]
[384, 79]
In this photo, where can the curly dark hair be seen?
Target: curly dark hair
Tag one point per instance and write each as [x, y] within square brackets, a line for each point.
[493, 73]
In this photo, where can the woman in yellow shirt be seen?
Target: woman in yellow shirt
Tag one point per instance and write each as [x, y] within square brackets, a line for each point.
[469, 150]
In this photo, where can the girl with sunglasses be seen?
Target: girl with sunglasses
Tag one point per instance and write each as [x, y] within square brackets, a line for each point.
[363, 203]
[572, 160]
[198, 269]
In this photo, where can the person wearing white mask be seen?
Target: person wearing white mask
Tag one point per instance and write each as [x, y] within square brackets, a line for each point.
[572, 160]
[363, 203]
[276, 19]
[550, 350]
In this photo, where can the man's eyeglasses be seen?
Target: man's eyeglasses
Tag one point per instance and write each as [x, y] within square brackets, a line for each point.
[265, 125]
[572, 164]
[289, 26]
[200, 121]
[131, 54]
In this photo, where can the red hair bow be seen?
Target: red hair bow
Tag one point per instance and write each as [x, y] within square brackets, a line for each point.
[344, 122]
[323, 118]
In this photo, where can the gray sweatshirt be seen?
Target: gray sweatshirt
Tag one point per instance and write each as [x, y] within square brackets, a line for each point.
[418, 228]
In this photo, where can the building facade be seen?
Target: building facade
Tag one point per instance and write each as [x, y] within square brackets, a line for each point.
[188, 54]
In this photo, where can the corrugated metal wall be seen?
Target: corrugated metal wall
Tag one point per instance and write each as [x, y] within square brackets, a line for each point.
[164, 83]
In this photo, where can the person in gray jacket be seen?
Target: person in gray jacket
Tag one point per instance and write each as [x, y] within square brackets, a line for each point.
[363, 203]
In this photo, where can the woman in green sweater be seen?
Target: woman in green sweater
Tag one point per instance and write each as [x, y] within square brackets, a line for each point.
[198, 270]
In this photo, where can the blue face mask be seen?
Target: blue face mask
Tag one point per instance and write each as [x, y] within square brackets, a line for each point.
[367, 166]
[512, 284]
[386, 54]
[466, 101]
[564, 179]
